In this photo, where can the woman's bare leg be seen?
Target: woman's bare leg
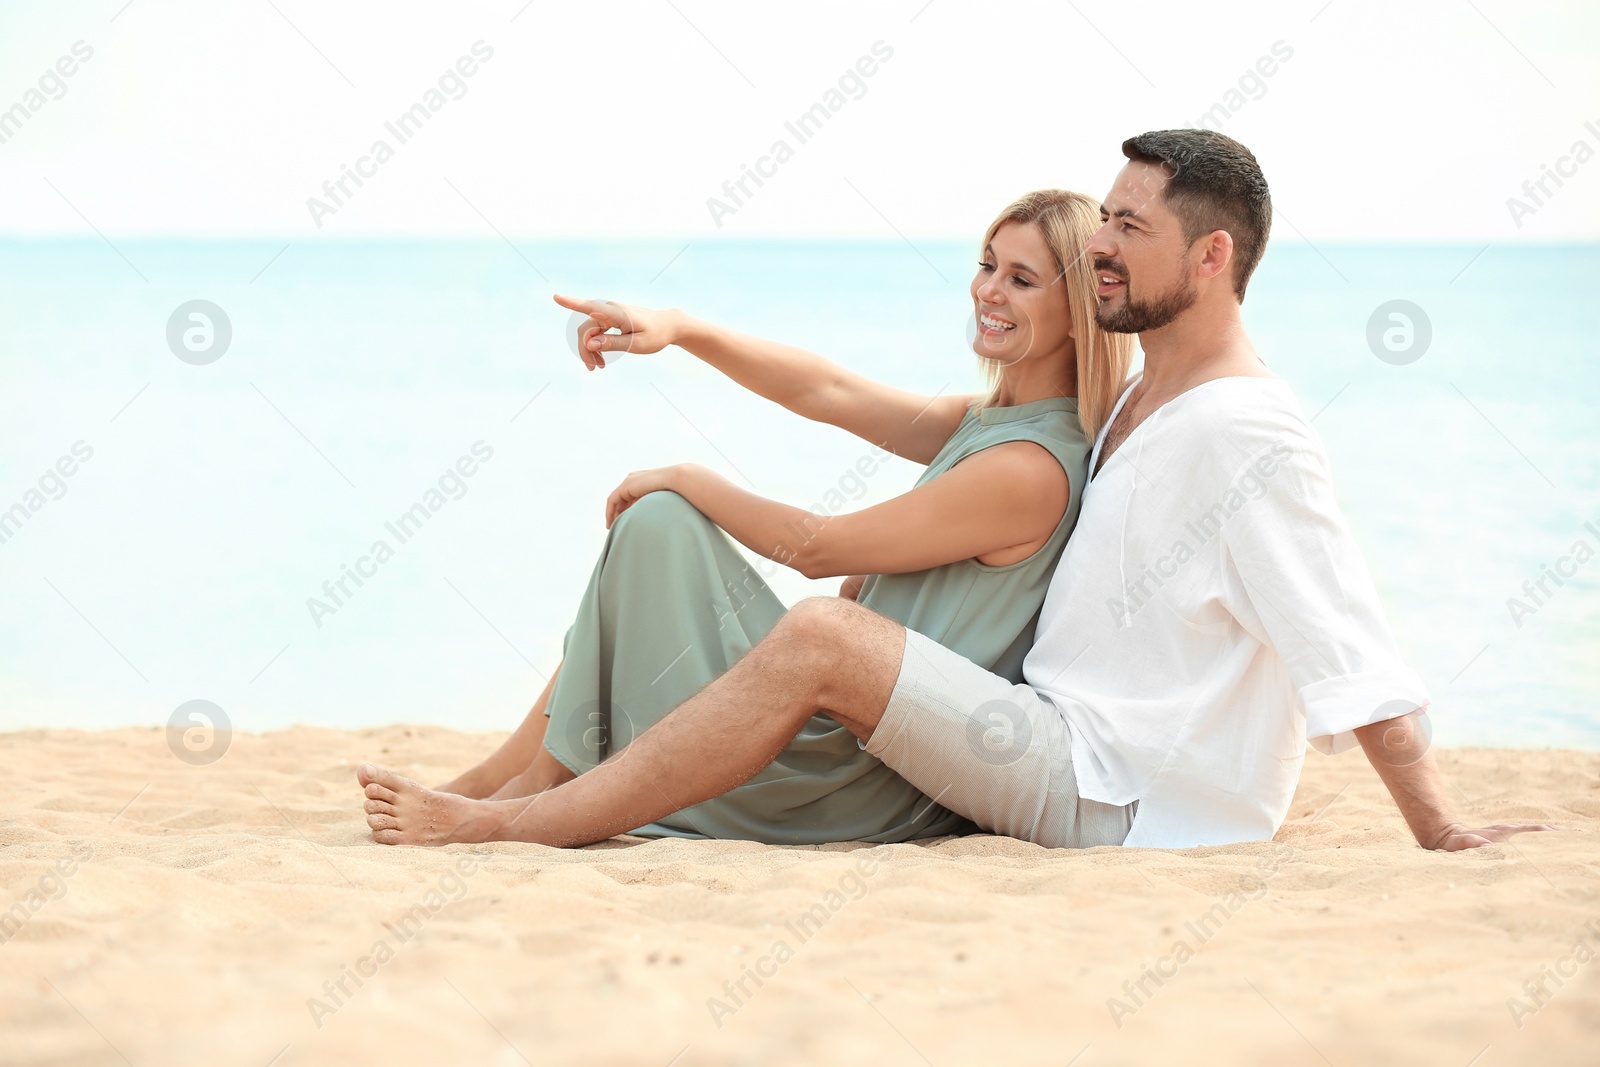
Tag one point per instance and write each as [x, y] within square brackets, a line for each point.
[544, 773]
[516, 756]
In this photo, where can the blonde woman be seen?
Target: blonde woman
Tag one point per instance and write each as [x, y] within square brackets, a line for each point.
[964, 557]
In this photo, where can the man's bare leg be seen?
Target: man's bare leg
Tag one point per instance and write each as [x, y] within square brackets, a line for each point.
[825, 655]
[512, 758]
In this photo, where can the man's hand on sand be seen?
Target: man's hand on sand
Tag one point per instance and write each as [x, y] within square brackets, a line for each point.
[1457, 837]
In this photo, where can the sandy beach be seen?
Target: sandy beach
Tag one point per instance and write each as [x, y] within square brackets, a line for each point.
[237, 913]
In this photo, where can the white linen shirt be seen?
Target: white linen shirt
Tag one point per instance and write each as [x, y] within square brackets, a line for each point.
[1211, 613]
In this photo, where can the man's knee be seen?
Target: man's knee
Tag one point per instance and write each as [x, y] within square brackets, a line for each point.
[836, 638]
[808, 636]
[822, 622]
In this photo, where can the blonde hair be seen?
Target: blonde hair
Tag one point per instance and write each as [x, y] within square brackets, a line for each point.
[1068, 222]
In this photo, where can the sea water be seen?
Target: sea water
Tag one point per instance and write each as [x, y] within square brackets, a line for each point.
[218, 535]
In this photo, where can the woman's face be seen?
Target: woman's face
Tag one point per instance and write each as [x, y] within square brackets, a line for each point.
[1018, 299]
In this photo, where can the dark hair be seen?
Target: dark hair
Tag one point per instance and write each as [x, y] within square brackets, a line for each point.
[1213, 183]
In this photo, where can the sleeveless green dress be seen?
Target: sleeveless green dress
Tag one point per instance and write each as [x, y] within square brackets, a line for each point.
[672, 604]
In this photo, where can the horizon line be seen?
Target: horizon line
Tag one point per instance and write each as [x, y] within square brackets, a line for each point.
[732, 239]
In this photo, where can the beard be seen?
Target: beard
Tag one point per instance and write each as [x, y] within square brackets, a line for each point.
[1135, 316]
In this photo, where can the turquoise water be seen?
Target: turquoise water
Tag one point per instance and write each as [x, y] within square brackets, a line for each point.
[176, 562]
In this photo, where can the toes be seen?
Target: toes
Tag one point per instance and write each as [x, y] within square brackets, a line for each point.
[383, 822]
[379, 807]
[379, 792]
[388, 837]
[368, 773]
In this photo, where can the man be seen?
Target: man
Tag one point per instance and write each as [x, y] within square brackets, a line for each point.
[1210, 615]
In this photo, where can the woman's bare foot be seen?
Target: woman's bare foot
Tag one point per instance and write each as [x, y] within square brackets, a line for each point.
[405, 812]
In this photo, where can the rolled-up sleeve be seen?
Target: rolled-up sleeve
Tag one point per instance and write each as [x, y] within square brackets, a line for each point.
[1298, 582]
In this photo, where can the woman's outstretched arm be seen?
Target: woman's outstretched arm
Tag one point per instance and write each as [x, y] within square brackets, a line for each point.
[999, 505]
[907, 424]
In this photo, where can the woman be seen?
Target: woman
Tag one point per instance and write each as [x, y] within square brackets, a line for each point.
[964, 557]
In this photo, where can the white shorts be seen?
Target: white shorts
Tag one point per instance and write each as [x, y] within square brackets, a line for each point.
[989, 749]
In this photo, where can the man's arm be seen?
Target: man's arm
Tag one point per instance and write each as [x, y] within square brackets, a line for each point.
[1305, 591]
[1398, 751]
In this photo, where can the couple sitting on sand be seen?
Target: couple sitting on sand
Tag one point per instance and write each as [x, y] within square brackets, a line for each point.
[1150, 680]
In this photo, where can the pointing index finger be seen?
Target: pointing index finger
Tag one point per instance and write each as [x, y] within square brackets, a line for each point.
[572, 303]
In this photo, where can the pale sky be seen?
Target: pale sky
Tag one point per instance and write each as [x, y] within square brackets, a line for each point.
[1376, 121]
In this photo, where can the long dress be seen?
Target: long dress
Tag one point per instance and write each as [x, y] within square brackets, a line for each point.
[672, 604]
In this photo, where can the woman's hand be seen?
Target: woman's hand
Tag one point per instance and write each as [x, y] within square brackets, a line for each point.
[644, 330]
[637, 484]
[851, 589]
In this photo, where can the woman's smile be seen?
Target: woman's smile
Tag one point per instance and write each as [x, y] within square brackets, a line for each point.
[993, 325]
